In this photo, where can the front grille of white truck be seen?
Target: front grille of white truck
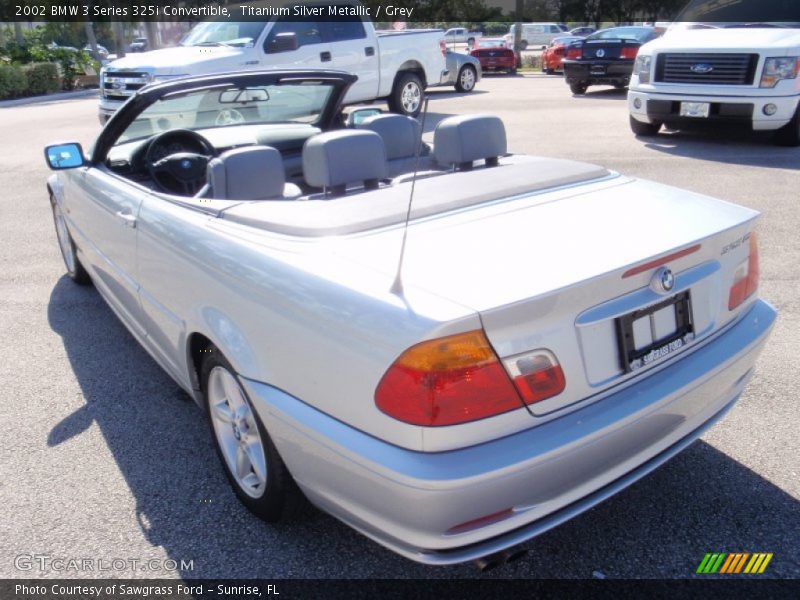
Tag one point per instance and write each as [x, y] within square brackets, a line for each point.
[706, 68]
[120, 85]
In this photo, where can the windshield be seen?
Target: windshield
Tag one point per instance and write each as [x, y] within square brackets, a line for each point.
[223, 33]
[640, 34]
[727, 13]
[226, 106]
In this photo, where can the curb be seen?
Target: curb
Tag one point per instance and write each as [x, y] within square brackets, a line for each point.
[49, 98]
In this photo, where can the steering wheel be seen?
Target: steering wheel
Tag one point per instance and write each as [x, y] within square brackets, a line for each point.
[176, 161]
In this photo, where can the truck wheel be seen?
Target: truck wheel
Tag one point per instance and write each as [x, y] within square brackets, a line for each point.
[407, 95]
[470, 42]
[523, 45]
[789, 134]
[578, 88]
[466, 79]
[250, 460]
[644, 129]
[75, 270]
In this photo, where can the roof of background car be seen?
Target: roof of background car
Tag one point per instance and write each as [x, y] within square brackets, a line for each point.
[487, 42]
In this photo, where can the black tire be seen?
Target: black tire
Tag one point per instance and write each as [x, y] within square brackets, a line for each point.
[547, 71]
[523, 45]
[467, 76]
[513, 71]
[470, 42]
[789, 134]
[644, 129]
[66, 244]
[578, 88]
[407, 95]
[280, 498]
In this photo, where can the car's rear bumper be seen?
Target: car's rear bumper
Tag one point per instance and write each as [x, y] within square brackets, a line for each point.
[735, 111]
[598, 72]
[107, 108]
[411, 501]
[499, 64]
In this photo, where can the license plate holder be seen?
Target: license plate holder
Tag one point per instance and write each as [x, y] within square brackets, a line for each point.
[597, 70]
[634, 354]
[696, 110]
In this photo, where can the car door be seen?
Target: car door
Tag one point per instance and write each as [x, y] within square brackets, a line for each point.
[103, 213]
[354, 51]
[312, 51]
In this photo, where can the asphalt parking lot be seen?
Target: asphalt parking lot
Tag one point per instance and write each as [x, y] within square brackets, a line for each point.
[103, 456]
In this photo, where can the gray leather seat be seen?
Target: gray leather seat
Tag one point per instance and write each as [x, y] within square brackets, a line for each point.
[460, 141]
[251, 173]
[401, 136]
[336, 160]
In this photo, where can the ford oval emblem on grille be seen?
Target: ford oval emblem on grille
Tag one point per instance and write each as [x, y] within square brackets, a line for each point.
[663, 281]
[600, 53]
[701, 68]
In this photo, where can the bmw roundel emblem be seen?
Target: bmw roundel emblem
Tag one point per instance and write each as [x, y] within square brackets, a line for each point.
[600, 53]
[663, 281]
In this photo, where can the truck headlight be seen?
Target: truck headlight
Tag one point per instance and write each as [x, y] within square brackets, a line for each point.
[642, 68]
[777, 68]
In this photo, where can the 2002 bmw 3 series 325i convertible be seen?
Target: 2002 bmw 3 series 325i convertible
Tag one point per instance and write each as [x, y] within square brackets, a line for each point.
[556, 331]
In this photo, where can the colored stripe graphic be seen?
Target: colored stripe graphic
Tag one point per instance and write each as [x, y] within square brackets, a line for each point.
[730, 563]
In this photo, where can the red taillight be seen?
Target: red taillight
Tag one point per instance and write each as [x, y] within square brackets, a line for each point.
[449, 380]
[745, 279]
[537, 375]
[629, 52]
[574, 53]
[559, 50]
[481, 521]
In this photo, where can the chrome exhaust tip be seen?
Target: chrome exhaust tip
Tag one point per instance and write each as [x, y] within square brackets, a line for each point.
[491, 562]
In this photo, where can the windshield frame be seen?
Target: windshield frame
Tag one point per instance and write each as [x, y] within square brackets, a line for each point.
[150, 94]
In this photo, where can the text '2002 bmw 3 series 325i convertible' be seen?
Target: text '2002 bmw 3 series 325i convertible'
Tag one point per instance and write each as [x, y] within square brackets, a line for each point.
[552, 332]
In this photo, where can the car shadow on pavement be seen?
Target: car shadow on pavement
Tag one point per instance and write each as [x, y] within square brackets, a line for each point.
[701, 501]
[602, 93]
[750, 148]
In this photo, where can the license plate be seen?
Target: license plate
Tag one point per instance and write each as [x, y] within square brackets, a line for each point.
[651, 334]
[695, 109]
[597, 70]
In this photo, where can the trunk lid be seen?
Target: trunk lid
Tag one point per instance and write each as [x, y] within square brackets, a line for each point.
[557, 275]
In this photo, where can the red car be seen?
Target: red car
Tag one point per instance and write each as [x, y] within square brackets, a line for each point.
[494, 56]
[553, 55]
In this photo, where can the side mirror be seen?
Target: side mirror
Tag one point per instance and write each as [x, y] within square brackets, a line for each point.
[357, 116]
[282, 42]
[64, 156]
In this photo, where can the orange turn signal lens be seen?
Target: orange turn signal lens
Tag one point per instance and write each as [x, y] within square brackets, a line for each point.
[447, 381]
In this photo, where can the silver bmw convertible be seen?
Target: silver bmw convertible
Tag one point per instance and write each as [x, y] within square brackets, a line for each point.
[449, 347]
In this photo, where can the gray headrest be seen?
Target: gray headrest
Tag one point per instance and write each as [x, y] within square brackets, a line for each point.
[468, 138]
[251, 173]
[400, 134]
[340, 157]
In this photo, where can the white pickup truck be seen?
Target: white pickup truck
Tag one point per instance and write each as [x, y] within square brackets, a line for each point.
[721, 73]
[395, 65]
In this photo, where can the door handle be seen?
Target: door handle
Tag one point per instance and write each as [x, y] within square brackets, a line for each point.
[369, 51]
[325, 56]
[127, 218]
